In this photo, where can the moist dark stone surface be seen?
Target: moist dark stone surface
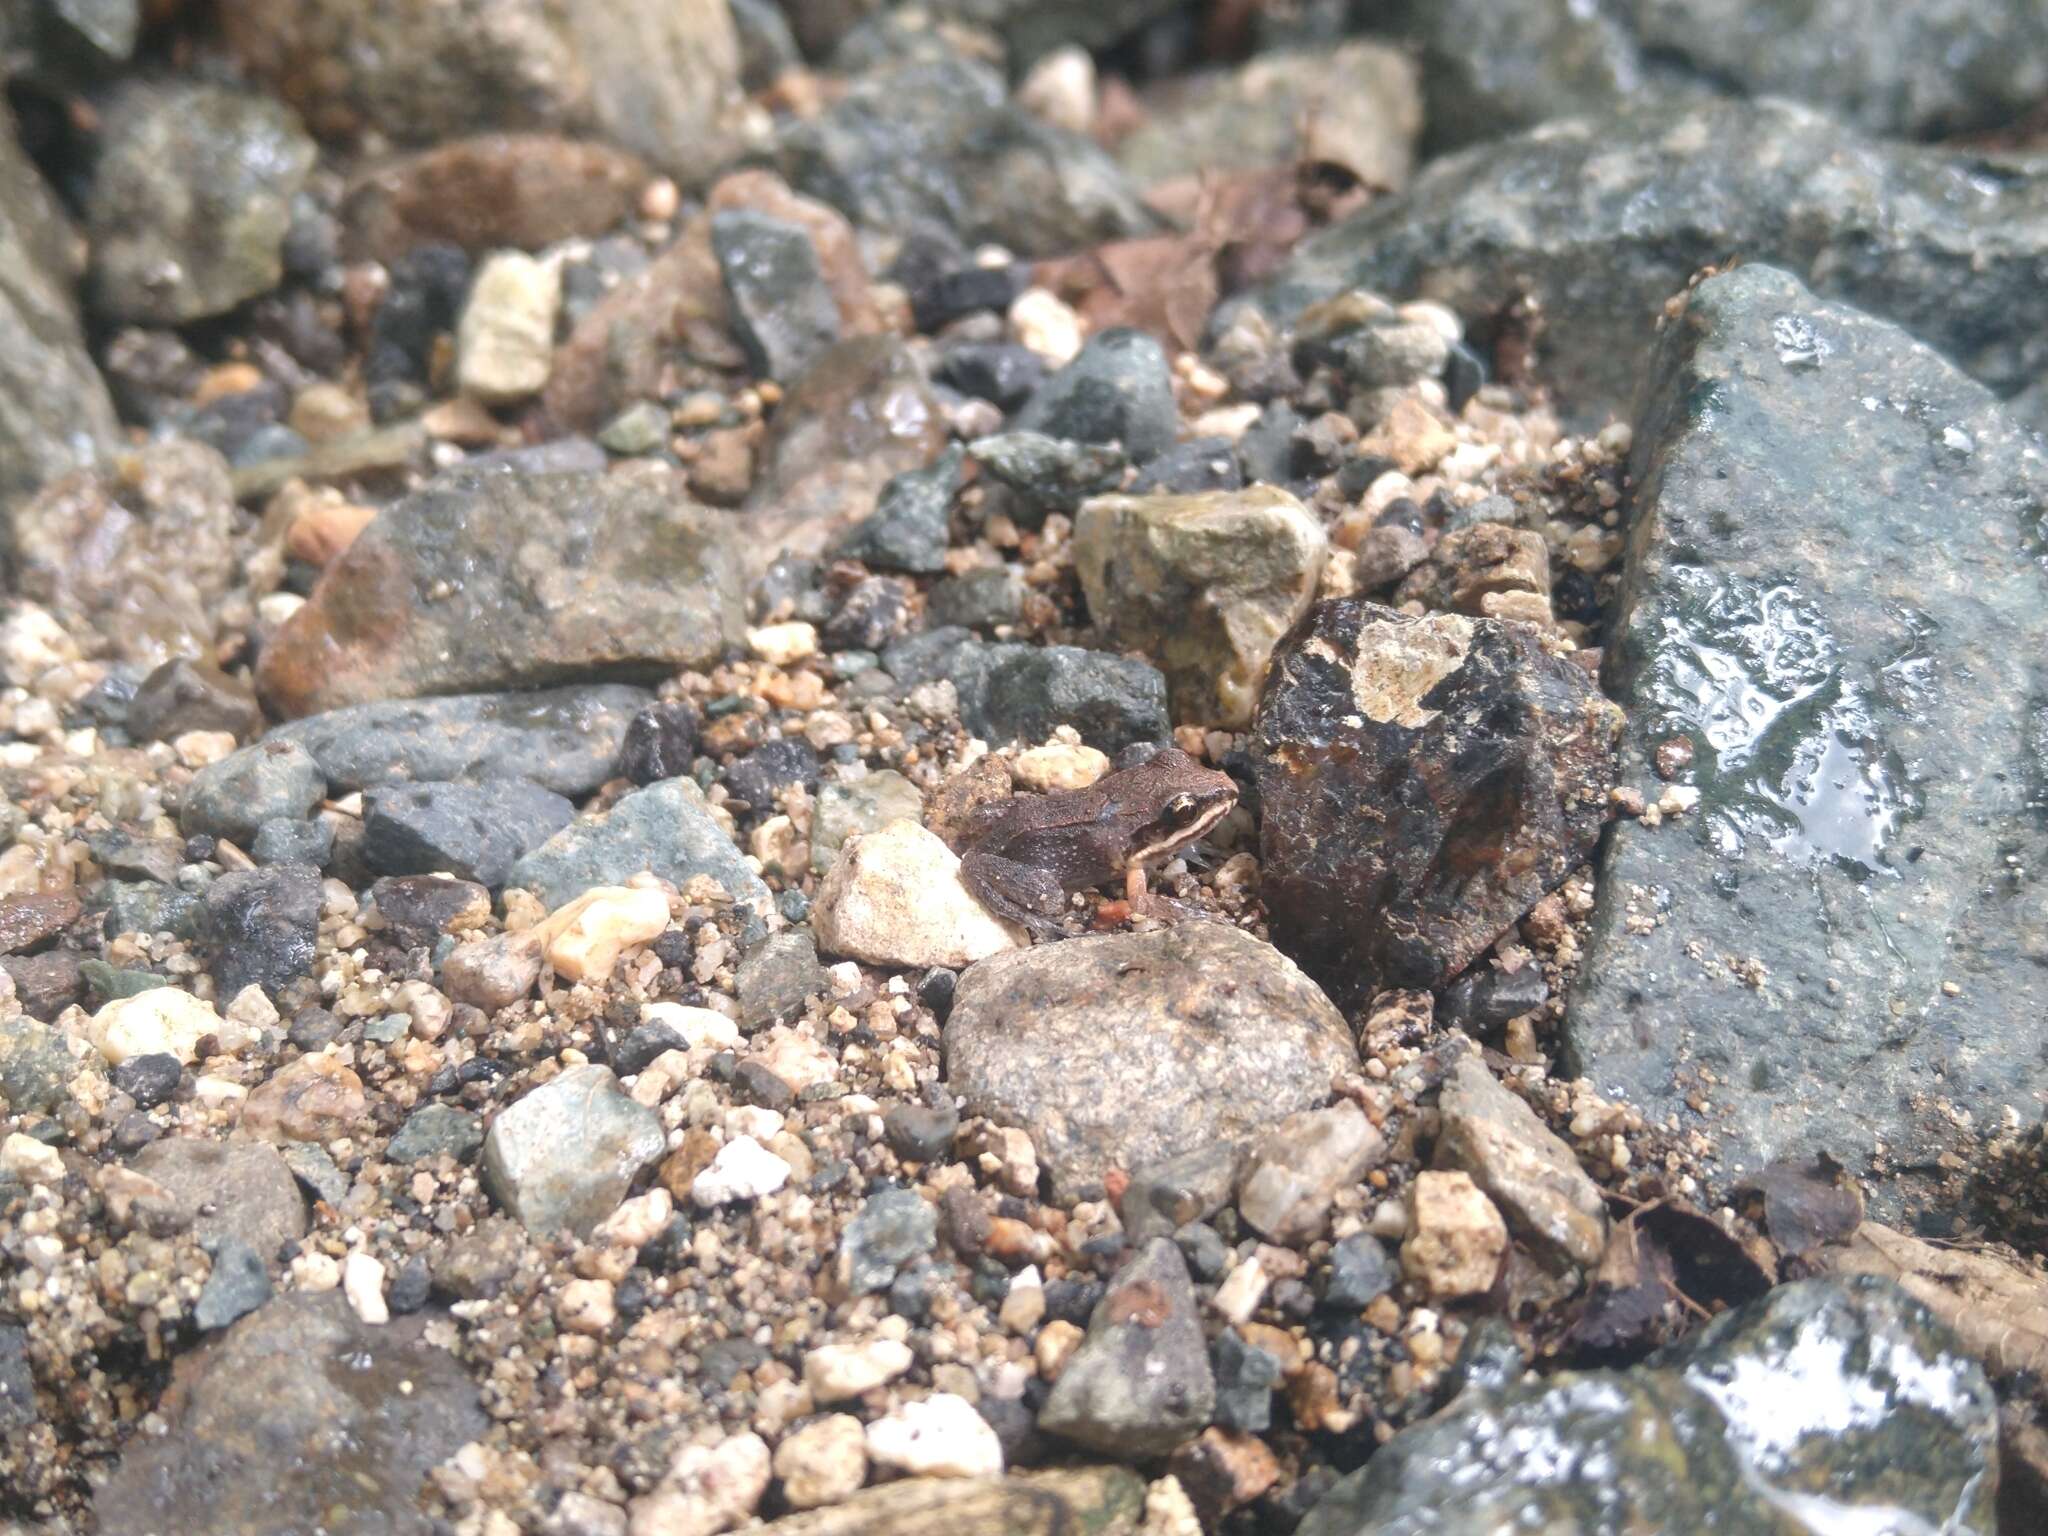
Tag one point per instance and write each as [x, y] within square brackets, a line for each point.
[1831, 592]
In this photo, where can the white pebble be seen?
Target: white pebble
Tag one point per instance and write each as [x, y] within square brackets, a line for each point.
[743, 1170]
[835, 1372]
[362, 1282]
[28, 1159]
[942, 1436]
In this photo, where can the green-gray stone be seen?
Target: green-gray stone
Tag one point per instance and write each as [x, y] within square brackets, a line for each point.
[560, 1159]
[35, 1066]
[665, 828]
[436, 1130]
[1829, 1405]
[863, 805]
[778, 976]
[1833, 596]
[642, 427]
[108, 982]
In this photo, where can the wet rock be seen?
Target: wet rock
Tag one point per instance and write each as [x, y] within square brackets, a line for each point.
[420, 909]
[860, 415]
[764, 773]
[1141, 1383]
[505, 340]
[134, 561]
[565, 739]
[1083, 1499]
[1886, 227]
[895, 897]
[977, 599]
[1206, 585]
[1855, 694]
[191, 200]
[783, 313]
[1012, 692]
[778, 976]
[1192, 468]
[1002, 373]
[893, 1227]
[615, 573]
[1524, 1167]
[1486, 762]
[1118, 390]
[561, 1158]
[36, 1065]
[1123, 1051]
[1048, 474]
[1357, 107]
[967, 291]
[230, 1191]
[497, 191]
[908, 529]
[237, 1285]
[471, 831]
[436, 1130]
[1484, 999]
[929, 138]
[294, 842]
[658, 78]
[260, 927]
[1734, 1426]
[846, 809]
[1296, 1170]
[148, 1080]
[1456, 1238]
[664, 828]
[185, 694]
[234, 797]
[28, 921]
[920, 1133]
[360, 1413]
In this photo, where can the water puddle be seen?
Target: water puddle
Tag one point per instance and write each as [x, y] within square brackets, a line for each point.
[1788, 755]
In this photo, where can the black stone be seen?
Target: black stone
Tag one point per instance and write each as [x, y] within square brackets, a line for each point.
[1485, 998]
[970, 290]
[1361, 1271]
[783, 313]
[935, 991]
[907, 530]
[410, 1287]
[920, 1133]
[770, 768]
[1119, 389]
[187, 695]
[472, 831]
[1047, 474]
[1186, 469]
[1000, 372]
[285, 841]
[911, 1292]
[1464, 376]
[418, 909]
[424, 300]
[871, 614]
[236, 1286]
[755, 1084]
[1246, 1378]
[637, 1051]
[149, 1080]
[261, 926]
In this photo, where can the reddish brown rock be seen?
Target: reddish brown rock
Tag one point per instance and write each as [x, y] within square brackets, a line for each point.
[498, 191]
[315, 1098]
[1425, 781]
[27, 921]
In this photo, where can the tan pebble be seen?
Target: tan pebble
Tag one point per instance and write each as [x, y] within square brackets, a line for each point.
[586, 1306]
[313, 1271]
[825, 1462]
[783, 645]
[28, 1159]
[362, 1282]
[315, 1098]
[638, 1221]
[1058, 765]
[325, 530]
[1047, 324]
[161, 1020]
[583, 940]
[1056, 1344]
[835, 1372]
[1456, 1237]
[196, 749]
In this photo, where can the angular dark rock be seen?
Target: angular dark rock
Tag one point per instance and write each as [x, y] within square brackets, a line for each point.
[893, 1227]
[36, 1064]
[419, 909]
[660, 742]
[30, 920]
[770, 768]
[1048, 474]
[1599, 220]
[1125, 1050]
[48, 983]
[568, 740]
[1000, 372]
[777, 976]
[664, 828]
[492, 579]
[1724, 1429]
[237, 1285]
[436, 1130]
[188, 695]
[471, 831]
[285, 841]
[1014, 692]
[234, 797]
[231, 1191]
[783, 313]
[561, 1158]
[1423, 783]
[907, 530]
[17, 1380]
[1141, 1381]
[260, 925]
[1832, 591]
[1118, 390]
[360, 1413]
[148, 1079]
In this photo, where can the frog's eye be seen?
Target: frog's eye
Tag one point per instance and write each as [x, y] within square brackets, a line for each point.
[1180, 807]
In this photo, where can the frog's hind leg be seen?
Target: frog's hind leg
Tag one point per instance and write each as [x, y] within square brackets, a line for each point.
[1019, 893]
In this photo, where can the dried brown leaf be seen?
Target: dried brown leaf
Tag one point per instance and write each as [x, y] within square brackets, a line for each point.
[1996, 1305]
[1808, 1205]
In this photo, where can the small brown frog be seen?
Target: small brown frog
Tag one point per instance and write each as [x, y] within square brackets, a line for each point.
[1030, 852]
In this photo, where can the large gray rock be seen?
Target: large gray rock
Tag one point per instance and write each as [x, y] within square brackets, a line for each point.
[1832, 598]
[560, 1159]
[658, 76]
[1017, 692]
[930, 137]
[1124, 1050]
[564, 739]
[664, 828]
[192, 200]
[1920, 71]
[55, 413]
[359, 1414]
[495, 579]
[233, 798]
[471, 831]
[1601, 219]
[1141, 1382]
[1828, 1405]
[232, 1190]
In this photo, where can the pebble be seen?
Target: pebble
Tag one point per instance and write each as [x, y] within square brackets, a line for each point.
[892, 1227]
[315, 1098]
[587, 1307]
[505, 341]
[561, 1158]
[706, 1489]
[28, 1159]
[939, 1436]
[1525, 1168]
[474, 832]
[233, 798]
[894, 897]
[1361, 1271]
[362, 1282]
[237, 1285]
[1298, 1168]
[159, 1022]
[835, 1372]
[1043, 322]
[824, 1462]
[1456, 1238]
[436, 1130]
[583, 940]
[742, 1170]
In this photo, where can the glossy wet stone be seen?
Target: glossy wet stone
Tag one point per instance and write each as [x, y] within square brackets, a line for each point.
[354, 1416]
[1423, 783]
[1830, 590]
[258, 926]
[611, 577]
[564, 739]
[1830, 1405]
[1603, 218]
[1118, 390]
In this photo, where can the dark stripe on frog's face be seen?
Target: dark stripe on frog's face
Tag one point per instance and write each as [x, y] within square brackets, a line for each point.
[1179, 827]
